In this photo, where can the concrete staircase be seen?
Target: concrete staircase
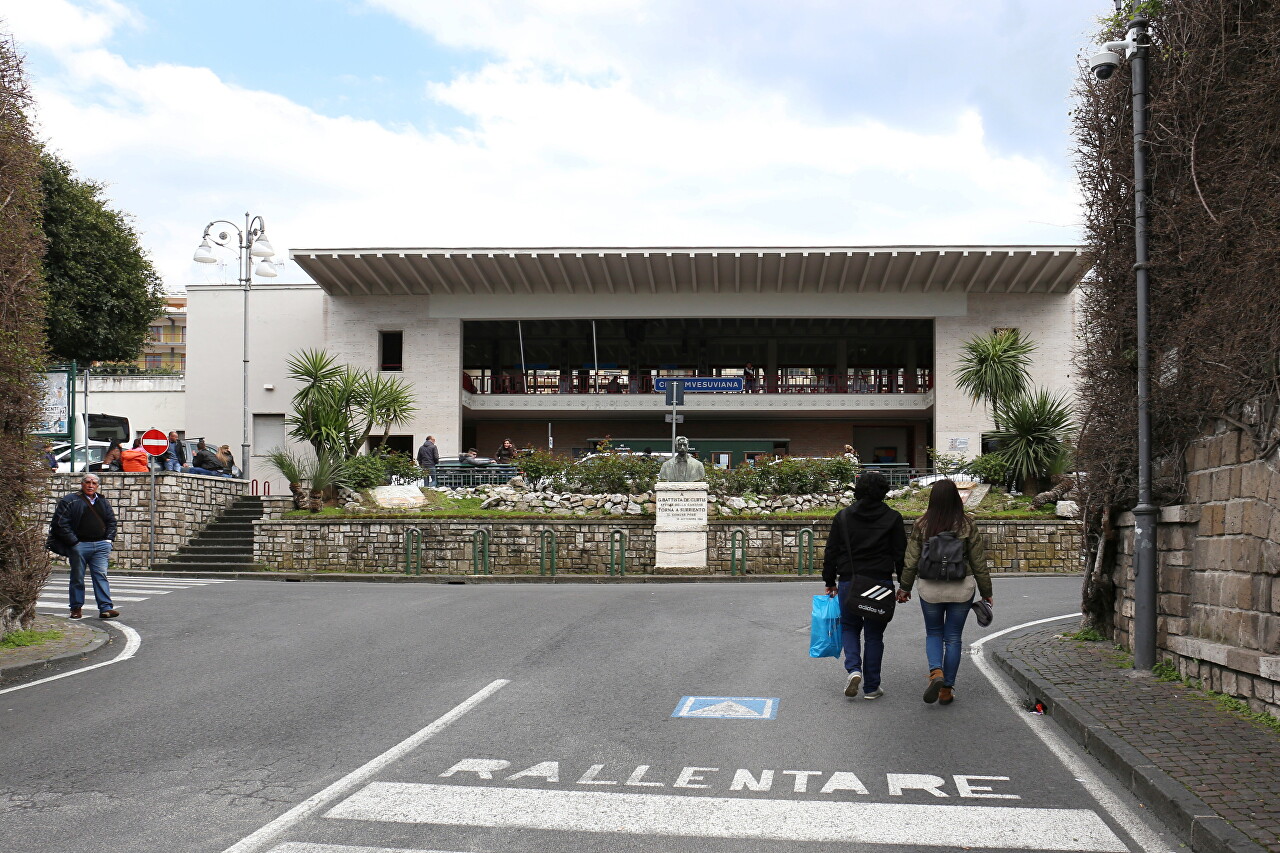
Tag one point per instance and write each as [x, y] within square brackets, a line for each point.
[225, 545]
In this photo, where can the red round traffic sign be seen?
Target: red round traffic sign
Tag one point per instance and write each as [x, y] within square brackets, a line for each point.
[155, 442]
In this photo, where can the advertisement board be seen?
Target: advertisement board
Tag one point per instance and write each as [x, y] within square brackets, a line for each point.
[57, 403]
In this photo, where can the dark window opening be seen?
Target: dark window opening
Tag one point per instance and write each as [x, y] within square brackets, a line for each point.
[390, 351]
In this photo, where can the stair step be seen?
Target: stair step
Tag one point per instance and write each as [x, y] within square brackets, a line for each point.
[209, 567]
[215, 550]
[206, 558]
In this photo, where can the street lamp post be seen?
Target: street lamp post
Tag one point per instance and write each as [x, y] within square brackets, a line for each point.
[1145, 593]
[251, 242]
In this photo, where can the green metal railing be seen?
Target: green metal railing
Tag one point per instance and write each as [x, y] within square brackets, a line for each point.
[738, 551]
[480, 553]
[413, 551]
[544, 537]
[618, 551]
[805, 551]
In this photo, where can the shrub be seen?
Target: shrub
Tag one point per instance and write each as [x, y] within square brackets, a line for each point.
[540, 465]
[614, 473]
[990, 468]
[381, 467]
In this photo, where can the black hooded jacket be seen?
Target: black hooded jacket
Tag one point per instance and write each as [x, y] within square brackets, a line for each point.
[876, 543]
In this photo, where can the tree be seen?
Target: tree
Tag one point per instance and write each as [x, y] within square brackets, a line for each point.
[24, 562]
[993, 368]
[338, 406]
[1035, 439]
[103, 292]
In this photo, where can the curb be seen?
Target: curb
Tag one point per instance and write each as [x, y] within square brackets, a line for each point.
[576, 578]
[19, 669]
[1189, 816]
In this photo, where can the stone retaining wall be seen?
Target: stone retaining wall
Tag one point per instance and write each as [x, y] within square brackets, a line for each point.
[582, 545]
[185, 503]
[1218, 609]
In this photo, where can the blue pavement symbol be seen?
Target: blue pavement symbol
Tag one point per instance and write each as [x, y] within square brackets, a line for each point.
[727, 708]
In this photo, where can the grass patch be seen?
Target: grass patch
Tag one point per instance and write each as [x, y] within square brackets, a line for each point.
[18, 639]
[1086, 635]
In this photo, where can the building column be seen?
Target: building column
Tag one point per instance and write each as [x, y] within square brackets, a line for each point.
[913, 364]
[771, 367]
[842, 366]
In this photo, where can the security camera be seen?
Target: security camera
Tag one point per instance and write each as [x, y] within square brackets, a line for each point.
[1104, 64]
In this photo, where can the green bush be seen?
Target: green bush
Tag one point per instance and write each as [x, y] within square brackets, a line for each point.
[990, 468]
[613, 473]
[540, 465]
[379, 468]
[788, 476]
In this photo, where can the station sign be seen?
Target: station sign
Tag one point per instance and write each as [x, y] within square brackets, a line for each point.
[700, 383]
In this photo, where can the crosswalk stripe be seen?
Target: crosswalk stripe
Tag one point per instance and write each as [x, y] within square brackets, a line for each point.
[303, 847]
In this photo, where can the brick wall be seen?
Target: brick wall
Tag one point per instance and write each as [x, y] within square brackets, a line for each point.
[185, 503]
[1217, 560]
[377, 545]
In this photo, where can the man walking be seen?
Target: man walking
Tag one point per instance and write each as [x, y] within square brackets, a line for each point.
[82, 530]
[428, 459]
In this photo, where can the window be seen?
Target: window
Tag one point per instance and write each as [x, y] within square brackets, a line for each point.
[391, 351]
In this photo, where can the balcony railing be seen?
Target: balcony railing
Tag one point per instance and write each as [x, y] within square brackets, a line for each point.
[875, 381]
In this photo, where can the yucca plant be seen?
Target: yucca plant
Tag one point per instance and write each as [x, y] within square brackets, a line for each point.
[337, 406]
[993, 369]
[1035, 437]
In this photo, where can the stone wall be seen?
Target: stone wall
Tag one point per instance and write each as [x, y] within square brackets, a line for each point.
[185, 503]
[377, 545]
[1217, 560]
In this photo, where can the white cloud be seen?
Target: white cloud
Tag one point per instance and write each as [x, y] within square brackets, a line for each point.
[588, 157]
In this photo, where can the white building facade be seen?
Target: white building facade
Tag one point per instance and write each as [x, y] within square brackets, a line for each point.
[564, 346]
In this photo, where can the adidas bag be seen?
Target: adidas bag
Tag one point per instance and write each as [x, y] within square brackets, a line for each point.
[870, 599]
[942, 558]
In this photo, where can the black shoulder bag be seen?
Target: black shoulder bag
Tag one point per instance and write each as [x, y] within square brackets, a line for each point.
[866, 596]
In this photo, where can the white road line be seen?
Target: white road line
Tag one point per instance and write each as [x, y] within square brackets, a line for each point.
[362, 774]
[133, 641]
[723, 817]
[1129, 820]
[136, 589]
[302, 847]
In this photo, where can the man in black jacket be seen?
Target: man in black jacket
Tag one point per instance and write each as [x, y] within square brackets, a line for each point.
[428, 459]
[82, 530]
[867, 539]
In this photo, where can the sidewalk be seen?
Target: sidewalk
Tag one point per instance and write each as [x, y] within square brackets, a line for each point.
[78, 638]
[1211, 775]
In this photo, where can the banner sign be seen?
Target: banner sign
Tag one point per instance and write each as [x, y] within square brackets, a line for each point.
[56, 407]
[700, 383]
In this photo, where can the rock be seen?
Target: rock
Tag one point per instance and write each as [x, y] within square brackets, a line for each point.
[615, 510]
[516, 482]
[1067, 509]
[398, 497]
[736, 503]
[790, 501]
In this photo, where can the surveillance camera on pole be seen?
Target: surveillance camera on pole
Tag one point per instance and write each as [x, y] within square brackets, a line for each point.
[1104, 63]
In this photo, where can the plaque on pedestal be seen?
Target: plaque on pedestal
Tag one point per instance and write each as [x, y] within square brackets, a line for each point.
[680, 534]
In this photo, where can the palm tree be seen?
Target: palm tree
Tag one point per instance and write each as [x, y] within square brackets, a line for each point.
[337, 406]
[993, 368]
[1036, 436]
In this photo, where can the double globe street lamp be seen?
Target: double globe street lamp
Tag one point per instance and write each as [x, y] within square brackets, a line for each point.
[1145, 594]
[251, 241]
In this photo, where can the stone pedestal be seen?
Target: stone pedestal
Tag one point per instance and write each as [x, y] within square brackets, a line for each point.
[680, 534]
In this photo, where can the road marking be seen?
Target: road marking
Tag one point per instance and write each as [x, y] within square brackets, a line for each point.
[302, 847]
[1149, 840]
[721, 817]
[133, 641]
[727, 708]
[361, 774]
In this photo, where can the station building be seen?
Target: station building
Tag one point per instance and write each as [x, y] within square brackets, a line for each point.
[563, 347]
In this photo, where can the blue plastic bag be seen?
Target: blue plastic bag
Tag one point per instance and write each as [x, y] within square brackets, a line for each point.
[825, 639]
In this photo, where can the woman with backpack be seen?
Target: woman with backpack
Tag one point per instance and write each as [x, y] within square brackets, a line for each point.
[947, 554]
[866, 544]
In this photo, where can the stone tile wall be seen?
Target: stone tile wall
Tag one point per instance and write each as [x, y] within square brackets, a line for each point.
[1217, 561]
[377, 545]
[185, 503]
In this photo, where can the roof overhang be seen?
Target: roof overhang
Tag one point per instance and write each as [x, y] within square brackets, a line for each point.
[587, 270]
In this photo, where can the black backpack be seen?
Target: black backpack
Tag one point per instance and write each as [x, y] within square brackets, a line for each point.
[942, 558]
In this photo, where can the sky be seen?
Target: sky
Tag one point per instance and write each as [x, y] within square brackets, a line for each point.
[438, 123]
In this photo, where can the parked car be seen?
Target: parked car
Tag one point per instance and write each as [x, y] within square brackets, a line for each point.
[73, 458]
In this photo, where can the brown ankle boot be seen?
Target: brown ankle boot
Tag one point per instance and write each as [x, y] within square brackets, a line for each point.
[946, 696]
[935, 684]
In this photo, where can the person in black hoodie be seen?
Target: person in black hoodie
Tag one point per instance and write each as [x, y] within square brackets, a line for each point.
[868, 538]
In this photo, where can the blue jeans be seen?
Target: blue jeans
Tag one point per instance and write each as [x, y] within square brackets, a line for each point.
[172, 465]
[943, 630]
[863, 643]
[429, 478]
[94, 554]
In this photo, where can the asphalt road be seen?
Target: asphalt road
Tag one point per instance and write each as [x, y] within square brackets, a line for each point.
[362, 718]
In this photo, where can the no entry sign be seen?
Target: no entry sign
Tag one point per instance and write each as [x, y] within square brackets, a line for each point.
[155, 442]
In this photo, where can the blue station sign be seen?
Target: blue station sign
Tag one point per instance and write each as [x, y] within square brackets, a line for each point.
[700, 383]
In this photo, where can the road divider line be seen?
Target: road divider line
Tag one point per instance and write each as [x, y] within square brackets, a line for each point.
[360, 775]
[1132, 823]
[305, 847]
[741, 817]
[133, 642]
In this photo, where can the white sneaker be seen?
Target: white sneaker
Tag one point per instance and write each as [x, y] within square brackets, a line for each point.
[874, 694]
[855, 681]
